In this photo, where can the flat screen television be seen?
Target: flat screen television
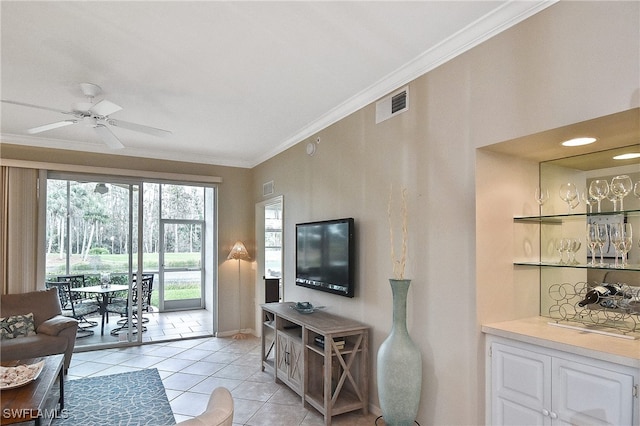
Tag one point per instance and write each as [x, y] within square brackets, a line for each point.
[325, 256]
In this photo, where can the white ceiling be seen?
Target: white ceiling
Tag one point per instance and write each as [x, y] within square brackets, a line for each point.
[236, 82]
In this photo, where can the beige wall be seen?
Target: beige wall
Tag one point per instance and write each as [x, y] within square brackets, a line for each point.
[573, 61]
[235, 213]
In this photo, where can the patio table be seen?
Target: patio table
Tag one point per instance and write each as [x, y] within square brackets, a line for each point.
[104, 300]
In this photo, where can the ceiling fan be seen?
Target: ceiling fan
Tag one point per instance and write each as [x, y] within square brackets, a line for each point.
[95, 115]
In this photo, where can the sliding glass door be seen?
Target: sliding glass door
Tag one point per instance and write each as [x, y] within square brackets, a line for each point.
[92, 242]
[181, 260]
[122, 231]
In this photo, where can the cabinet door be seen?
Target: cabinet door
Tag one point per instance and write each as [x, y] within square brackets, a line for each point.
[290, 366]
[282, 362]
[590, 395]
[521, 386]
[296, 367]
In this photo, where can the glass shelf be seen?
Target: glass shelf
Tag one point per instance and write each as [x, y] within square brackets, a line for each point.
[559, 218]
[609, 267]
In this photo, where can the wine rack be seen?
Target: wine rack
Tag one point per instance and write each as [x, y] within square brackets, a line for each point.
[619, 313]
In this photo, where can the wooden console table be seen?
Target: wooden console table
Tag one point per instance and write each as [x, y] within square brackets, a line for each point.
[324, 358]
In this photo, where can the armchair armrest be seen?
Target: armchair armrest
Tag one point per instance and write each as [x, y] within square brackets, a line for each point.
[55, 325]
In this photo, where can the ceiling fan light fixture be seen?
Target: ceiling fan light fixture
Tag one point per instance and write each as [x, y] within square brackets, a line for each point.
[101, 189]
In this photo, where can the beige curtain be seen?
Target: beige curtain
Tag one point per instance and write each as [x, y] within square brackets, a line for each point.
[19, 230]
[4, 226]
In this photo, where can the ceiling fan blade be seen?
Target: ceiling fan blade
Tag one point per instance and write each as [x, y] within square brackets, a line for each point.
[139, 128]
[51, 126]
[104, 108]
[35, 106]
[108, 137]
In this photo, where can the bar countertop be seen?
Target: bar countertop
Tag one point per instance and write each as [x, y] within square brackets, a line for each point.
[539, 331]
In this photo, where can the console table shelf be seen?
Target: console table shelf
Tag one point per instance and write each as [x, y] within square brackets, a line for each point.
[322, 357]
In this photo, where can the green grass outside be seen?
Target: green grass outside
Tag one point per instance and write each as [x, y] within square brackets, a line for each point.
[177, 292]
[118, 262]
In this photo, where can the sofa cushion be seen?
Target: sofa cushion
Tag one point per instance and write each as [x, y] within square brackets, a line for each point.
[16, 326]
[46, 301]
[31, 347]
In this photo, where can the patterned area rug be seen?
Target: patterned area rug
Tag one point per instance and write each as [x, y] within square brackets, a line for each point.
[131, 399]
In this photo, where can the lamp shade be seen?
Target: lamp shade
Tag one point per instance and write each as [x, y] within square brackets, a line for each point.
[239, 251]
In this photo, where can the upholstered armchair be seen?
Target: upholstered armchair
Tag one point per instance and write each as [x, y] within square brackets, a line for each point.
[219, 411]
[49, 333]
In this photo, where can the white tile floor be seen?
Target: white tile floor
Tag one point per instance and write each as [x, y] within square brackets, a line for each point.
[160, 327]
[191, 369]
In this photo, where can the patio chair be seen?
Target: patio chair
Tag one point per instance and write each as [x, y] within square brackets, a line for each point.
[73, 308]
[78, 281]
[75, 281]
[122, 306]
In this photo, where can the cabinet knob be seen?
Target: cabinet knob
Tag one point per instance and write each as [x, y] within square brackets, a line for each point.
[553, 415]
[545, 412]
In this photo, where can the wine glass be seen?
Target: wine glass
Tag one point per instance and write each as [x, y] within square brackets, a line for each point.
[598, 189]
[588, 200]
[574, 245]
[541, 195]
[602, 238]
[636, 189]
[613, 198]
[592, 241]
[621, 238]
[621, 185]
[626, 243]
[561, 245]
[569, 194]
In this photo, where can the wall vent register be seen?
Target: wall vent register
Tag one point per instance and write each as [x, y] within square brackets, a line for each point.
[392, 105]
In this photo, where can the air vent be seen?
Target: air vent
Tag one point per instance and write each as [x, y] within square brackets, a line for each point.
[267, 188]
[396, 103]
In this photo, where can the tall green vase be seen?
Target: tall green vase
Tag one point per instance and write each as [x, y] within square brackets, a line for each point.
[399, 365]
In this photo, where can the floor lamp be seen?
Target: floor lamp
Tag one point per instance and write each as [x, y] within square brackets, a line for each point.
[239, 252]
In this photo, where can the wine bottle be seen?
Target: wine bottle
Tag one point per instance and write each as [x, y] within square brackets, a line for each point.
[614, 289]
[594, 295]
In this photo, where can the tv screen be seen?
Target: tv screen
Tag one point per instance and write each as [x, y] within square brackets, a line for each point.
[325, 256]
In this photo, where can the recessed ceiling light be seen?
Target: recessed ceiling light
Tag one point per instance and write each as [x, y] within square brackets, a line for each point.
[578, 141]
[628, 156]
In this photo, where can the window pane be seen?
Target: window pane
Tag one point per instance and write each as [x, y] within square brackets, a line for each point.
[87, 221]
[273, 262]
[182, 202]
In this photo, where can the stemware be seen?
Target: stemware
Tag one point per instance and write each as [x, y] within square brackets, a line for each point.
[615, 235]
[613, 198]
[569, 194]
[621, 237]
[636, 189]
[561, 245]
[621, 185]
[574, 245]
[592, 241]
[541, 195]
[588, 200]
[598, 189]
[602, 239]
